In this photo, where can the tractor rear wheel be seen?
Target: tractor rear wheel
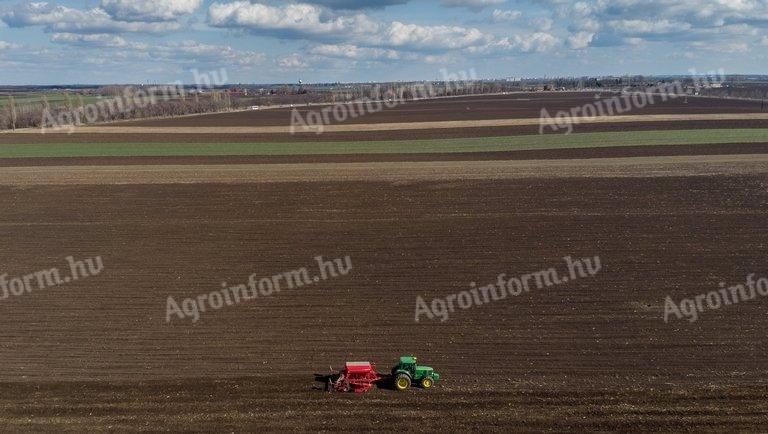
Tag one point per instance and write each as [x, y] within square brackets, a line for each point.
[427, 382]
[402, 381]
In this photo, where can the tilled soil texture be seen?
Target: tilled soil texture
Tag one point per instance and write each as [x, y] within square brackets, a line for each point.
[402, 172]
[542, 154]
[285, 403]
[392, 134]
[592, 353]
[511, 106]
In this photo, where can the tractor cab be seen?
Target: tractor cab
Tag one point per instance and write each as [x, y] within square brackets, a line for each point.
[408, 372]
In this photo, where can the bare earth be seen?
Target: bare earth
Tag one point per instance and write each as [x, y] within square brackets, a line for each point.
[125, 129]
[593, 354]
[540, 154]
[482, 108]
[344, 136]
[388, 171]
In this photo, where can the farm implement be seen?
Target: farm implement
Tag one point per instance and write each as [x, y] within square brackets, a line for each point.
[360, 377]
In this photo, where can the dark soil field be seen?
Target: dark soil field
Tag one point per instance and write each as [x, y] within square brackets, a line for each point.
[332, 136]
[591, 354]
[542, 154]
[511, 106]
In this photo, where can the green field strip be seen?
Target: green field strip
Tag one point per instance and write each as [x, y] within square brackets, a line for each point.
[53, 99]
[478, 144]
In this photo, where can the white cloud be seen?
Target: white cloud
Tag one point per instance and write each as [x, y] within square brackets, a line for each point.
[149, 10]
[500, 16]
[358, 4]
[686, 55]
[471, 4]
[98, 40]
[739, 47]
[585, 24]
[723, 48]
[538, 42]
[646, 27]
[624, 21]
[580, 40]
[293, 61]
[739, 29]
[349, 51]
[305, 21]
[535, 42]
[437, 60]
[289, 20]
[68, 20]
[173, 52]
[198, 52]
[542, 24]
[430, 37]
[7, 46]
[355, 53]
[582, 9]
[696, 12]
[764, 42]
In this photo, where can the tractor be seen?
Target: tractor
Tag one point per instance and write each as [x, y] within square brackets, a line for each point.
[407, 372]
[360, 377]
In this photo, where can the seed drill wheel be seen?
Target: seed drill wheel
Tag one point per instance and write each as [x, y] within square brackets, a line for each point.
[427, 382]
[402, 382]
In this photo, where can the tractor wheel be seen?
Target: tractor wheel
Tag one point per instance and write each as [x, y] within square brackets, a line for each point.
[427, 382]
[402, 382]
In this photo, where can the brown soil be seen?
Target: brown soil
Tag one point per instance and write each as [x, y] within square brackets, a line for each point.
[592, 354]
[398, 172]
[285, 403]
[545, 154]
[393, 134]
[512, 106]
[484, 123]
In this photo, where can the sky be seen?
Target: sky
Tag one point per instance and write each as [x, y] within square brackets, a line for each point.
[270, 41]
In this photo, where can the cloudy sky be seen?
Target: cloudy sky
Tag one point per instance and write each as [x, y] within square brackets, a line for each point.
[148, 41]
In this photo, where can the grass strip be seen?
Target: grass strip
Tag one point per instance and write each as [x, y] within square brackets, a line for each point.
[477, 144]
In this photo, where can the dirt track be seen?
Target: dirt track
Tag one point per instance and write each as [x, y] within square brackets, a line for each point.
[592, 354]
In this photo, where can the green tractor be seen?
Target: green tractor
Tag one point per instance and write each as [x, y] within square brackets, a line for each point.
[407, 372]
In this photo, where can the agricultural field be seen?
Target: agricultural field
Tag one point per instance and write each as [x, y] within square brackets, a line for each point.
[483, 107]
[54, 98]
[670, 202]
